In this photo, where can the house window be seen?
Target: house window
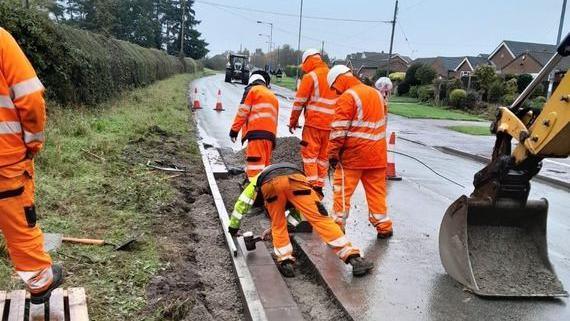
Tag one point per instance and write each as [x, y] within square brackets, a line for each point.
[465, 73]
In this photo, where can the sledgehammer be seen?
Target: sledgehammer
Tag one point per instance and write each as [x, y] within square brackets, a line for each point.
[250, 240]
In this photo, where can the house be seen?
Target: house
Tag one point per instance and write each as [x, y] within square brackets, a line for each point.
[509, 50]
[468, 65]
[443, 66]
[366, 64]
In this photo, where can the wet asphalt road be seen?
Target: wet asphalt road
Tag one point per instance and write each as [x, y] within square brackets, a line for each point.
[409, 282]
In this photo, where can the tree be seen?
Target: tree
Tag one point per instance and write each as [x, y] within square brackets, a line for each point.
[485, 75]
[409, 80]
[523, 81]
[425, 74]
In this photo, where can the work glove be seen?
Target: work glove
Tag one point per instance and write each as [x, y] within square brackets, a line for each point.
[292, 127]
[333, 162]
[233, 135]
[233, 231]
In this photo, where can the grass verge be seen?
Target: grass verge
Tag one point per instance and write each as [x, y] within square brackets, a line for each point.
[472, 130]
[108, 196]
[285, 81]
[415, 110]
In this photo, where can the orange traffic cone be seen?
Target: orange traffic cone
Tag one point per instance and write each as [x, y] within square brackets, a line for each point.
[391, 169]
[196, 104]
[219, 102]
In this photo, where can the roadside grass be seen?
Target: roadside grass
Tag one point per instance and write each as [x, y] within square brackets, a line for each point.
[402, 99]
[105, 196]
[416, 110]
[285, 81]
[472, 130]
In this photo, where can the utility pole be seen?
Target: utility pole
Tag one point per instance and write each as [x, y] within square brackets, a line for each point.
[299, 45]
[392, 38]
[182, 21]
[560, 27]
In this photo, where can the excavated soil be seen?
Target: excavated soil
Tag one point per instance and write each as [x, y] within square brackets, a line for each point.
[506, 260]
[197, 281]
[310, 294]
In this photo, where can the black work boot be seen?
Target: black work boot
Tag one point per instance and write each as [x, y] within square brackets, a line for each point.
[42, 297]
[385, 234]
[360, 266]
[287, 268]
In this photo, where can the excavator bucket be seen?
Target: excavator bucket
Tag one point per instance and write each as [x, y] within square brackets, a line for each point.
[498, 249]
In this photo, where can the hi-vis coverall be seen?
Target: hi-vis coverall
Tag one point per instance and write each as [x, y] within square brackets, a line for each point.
[22, 121]
[281, 184]
[315, 97]
[257, 120]
[358, 142]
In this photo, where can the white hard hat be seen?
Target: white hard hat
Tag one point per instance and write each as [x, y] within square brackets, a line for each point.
[255, 77]
[335, 72]
[384, 84]
[308, 53]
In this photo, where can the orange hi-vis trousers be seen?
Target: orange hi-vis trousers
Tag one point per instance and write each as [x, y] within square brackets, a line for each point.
[23, 236]
[296, 189]
[257, 156]
[374, 183]
[314, 153]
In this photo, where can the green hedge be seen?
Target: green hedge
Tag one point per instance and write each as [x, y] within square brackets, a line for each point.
[82, 67]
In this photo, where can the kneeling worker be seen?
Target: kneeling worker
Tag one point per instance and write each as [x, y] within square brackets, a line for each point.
[283, 185]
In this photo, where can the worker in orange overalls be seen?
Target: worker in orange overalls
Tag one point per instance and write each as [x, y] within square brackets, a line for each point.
[22, 121]
[357, 148]
[317, 100]
[257, 120]
[283, 186]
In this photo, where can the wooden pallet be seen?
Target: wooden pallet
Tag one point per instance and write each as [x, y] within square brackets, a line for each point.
[64, 305]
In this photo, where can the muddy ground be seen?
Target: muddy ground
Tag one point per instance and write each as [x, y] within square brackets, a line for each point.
[197, 281]
[311, 295]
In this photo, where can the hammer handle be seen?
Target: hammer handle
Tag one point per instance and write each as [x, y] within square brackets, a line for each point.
[83, 241]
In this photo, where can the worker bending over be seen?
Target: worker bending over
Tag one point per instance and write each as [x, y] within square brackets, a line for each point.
[22, 122]
[283, 186]
[357, 148]
[257, 119]
[317, 100]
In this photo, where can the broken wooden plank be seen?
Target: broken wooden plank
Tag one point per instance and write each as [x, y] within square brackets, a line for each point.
[56, 305]
[17, 305]
[37, 312]
[77, 304]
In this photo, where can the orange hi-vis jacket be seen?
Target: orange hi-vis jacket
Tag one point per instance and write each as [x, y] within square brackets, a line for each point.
[315, 96]
[22, 106]
[358, 130]
[257, 116]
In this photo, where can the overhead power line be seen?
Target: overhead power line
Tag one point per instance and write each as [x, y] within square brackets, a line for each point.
[284, 14]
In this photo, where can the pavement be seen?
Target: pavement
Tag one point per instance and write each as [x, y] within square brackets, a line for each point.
[409, 282]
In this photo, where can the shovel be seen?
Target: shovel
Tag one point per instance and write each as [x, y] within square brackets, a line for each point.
[124, 246]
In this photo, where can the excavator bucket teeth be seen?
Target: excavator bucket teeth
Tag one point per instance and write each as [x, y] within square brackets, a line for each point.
[498, 249]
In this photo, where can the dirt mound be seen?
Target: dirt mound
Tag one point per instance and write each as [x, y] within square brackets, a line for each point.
[288, 149]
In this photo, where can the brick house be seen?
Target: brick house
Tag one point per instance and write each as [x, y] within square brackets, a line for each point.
[508, 51]
[468, 65]
[366, 64]
[443, 66]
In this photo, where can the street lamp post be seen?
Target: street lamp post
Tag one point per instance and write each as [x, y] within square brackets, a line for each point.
[270, 33]
[299, 44]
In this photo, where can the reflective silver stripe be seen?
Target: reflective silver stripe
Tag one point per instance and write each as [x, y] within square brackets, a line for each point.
[242, 114]
[323, 163]
[358, 103]
[340, 242]
[263, 105]
[380, 217]
[263, 115]
[255, 167]
[6, 102]
[285, 250]
[10, 127]
[337, 188]
[327, 101]
[373, 137]
[31, 137]
[316, 93]
[26, 87]
[321, 179]
[297, 108]
[309, 160]
[312, 178]
[321, 109]
[244, 107]
[293, 221]
[237, 215]
[341, 123]
[301, 100]
[338, 133]
[369, 124]
[347, 250]
[246, 199]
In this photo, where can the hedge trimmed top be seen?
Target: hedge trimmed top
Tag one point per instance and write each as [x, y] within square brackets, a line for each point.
[82, 67]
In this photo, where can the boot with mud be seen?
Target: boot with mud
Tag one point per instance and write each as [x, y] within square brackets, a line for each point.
[287, 268]
[385, 234]
[360, 266]
[43, 296]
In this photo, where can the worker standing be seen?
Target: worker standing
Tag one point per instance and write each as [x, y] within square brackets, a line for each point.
[283, 186]
[22, 121]
[257, 119]
[357, 148]
[317, 100]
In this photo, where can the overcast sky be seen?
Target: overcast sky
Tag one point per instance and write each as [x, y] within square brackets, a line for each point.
[431, 27]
